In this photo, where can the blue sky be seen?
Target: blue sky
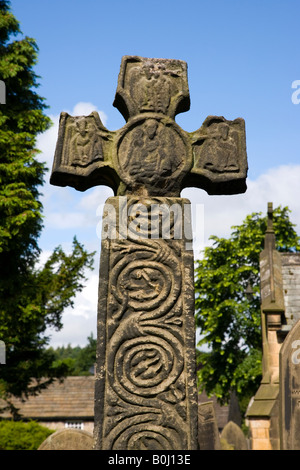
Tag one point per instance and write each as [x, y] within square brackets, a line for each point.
[242, 56]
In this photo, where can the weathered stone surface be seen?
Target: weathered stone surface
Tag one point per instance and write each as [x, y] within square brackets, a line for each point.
[2, 352]
[232, 437]
[151, 155]
[208, 433]
[146, 396]
[289, 397]
[68, 439]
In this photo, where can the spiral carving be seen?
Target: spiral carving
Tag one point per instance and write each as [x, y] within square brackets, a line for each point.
[147, 365]
[146, 391]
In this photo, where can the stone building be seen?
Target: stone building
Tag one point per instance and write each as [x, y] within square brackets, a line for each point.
[67, 404]
[280, 311]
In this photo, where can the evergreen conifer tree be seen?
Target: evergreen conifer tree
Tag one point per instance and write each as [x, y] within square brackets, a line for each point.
[32, 298]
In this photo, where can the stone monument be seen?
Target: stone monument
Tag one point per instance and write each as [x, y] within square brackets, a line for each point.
[145, 392]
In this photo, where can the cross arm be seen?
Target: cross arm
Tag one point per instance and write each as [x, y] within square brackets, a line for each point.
[151, 155]
[83, 155]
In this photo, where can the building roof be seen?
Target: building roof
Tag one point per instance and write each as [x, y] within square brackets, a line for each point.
[71, 399]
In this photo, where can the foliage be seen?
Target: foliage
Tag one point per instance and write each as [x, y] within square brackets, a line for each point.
[229, 322]
[32, 298]
[17, 435]
[80, 360]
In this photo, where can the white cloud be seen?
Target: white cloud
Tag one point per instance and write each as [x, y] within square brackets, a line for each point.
[81, 320]
[44, 255]
[46, 142]
[95, 198]
[65, 220]
[77, 328]
[84, 109]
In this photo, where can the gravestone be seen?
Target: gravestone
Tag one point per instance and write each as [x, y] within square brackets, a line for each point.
[233, 437]
[289, 394]
[68, 439]
[145, 392]
[208, 433]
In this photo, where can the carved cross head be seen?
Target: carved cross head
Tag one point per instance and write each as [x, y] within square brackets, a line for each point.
[151, 155]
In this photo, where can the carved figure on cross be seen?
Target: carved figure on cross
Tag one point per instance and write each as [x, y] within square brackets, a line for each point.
[151, 155]
[145, 388]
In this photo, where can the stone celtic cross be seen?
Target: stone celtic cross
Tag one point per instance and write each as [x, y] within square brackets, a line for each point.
[145, 392]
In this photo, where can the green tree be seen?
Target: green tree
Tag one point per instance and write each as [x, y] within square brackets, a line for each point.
[80, 360]
[87, 357]
[229, 321]
[32, 298]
